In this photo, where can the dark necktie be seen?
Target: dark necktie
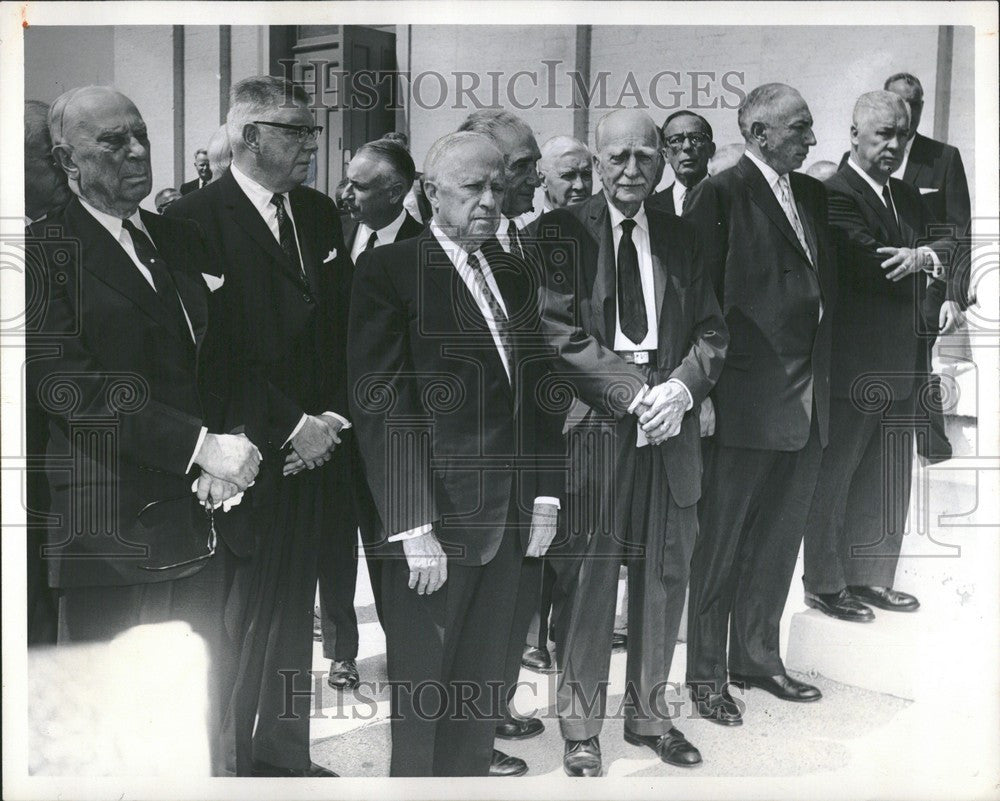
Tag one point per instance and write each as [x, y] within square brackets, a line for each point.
[286, 234]
[684, 199]
[162, 281]
[631, 306]
[372, 240]
[887, 197]
[496, 310]
[515, 240]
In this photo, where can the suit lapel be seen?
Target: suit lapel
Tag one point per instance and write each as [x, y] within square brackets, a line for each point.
[909, 218]
[409, 229]
[603, 275]
[917, 160]
[874, 202]
[189, 285]
[764, 198]
[667, 302]
[308, 234]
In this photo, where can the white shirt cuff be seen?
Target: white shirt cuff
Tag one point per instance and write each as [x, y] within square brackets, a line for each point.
[412, 533]
[548, 499]
[638, 398]
[296, 430]
[344, 422]
[936, 270]
[681, 384]
[197, 447]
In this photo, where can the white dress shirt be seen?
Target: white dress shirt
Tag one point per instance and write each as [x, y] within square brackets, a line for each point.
[260, 196]
[384, 236]
[460, 259]
[771, 177]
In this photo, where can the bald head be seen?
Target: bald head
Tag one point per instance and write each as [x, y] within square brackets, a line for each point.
[99, 140]
[880, 126]
[566, 171]
[45, 187]
[628, 159]
[777, 126]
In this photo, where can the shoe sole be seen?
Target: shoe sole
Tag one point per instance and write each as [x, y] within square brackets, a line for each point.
[827, 611]
[585, 775]
[519, 736]
[631, 740]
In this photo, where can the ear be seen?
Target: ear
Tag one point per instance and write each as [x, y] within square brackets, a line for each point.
[711, 149]
[63, 157]
[251, 137]
[758, 131]
[854, 135]
[430, 192]
[397, 191]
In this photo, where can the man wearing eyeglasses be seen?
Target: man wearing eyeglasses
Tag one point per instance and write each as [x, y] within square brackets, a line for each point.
[688, 147]
[284, 306]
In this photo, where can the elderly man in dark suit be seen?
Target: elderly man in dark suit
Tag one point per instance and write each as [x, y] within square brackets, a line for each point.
[639, 336]
[128, 314]
[204, 169]
[688, 147]
[442, 352]
[285, 299]
[770, 258]
[856, 521]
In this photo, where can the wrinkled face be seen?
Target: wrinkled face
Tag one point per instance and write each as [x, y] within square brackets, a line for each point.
[107, 151]
[913, 96]
[202, 166]
[467, 194]
[688, 157]
[45, 186]
[373, 194]
[521, 154]
[788, 134]
[879, 141]
[628, 162]
[568, 179]
[282, 157]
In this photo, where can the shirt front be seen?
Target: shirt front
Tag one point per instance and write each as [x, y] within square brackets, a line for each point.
[260, 196]
[640, 238]
[383, 236]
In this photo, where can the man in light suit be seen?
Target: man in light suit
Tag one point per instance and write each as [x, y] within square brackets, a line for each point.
[770, 257]
[204, 170]
[442, 353]
[128, 316]
[639, 336]
[287, 278]
[688, 147]
[856, 521]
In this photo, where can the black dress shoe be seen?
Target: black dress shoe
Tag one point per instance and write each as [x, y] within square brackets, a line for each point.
[506, 765]
[537, 659]
[619, 641]
[519, 728]
[343, 674]
[314, 771]
[841, 605]
[672, 747]
[781, 686]
[582, 757]
[886, 598]
[717, 707]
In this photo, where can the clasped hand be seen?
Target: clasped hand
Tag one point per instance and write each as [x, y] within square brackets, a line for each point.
[661, 411]
[314, 444]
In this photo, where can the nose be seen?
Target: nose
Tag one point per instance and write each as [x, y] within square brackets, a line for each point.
[810, 138]
[311, 143]
[489, 199]
[578, 182]
[137, 149]
[632, 166]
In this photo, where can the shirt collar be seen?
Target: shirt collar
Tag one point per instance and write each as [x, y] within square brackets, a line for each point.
[766, 169]
[260, 196]
[110, 222]
[387, 234]
[617, 216]
[455, 252]
[679, 191]
[877, 188]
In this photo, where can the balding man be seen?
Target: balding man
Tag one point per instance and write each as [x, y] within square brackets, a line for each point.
[204, 170]
[639, 336]
[129, 316]
[441, 336]
[566, 171]
[688, 146]
[769, 254]
[164, 198]
[45, 187]
[856, 520]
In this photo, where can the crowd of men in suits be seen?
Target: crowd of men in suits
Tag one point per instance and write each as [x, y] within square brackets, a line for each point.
[509, 404]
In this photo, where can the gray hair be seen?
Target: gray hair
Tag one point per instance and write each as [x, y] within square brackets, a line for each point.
[219, 151]
[36, 126]
[879, 100]
[256, 96]
[439, 156]
[492, 123]
[599, 129]
[908, 78]
[759, 104]
[558, 145]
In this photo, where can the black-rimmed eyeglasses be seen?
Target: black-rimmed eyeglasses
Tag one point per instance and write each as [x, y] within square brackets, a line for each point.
[676, 142]
[302, 132]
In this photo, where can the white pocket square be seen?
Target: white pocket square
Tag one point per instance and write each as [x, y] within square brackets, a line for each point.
[330, 256]
[927, 190]
[213, 282]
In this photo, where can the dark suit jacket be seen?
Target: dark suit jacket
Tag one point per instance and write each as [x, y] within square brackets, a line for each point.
[778, 364]
[663, 200]
[190, 186]
[878, 322]
[578, 317]
[442, 433]
[290, 338]
[409, 229]
[123, 398]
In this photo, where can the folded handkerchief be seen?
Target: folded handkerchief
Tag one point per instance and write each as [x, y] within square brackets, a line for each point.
[213, 282]
[330, 256]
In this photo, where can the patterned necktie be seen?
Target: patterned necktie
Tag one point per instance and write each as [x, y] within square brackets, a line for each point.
[166, 291]
[372, 240]
[515, 240]
[286, 234]
[496, 310]
[788, 207]
[631, 305]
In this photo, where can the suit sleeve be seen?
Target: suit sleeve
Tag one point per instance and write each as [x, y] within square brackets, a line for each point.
[706, 211]
[384, 389]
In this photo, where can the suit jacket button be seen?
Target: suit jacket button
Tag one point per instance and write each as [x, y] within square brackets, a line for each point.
[307, 297]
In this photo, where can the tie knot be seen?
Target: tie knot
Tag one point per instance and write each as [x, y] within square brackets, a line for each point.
[627, 225]
[129, 226]
[279, 201]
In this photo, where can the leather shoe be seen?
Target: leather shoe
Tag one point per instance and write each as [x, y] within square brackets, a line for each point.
[505, 765]
[537, 659]
[672, 747]
[717, 707]
[582, 757]
[781, 686]
[619, 641]
[886, 598]
[519, 728]
[343, 674]
[314, 771]
[841, 605]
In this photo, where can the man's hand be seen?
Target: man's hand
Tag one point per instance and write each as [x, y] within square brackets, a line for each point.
[706, 418]
[427, 562]
[950, 318]
[315, 441]
[901, 262]
[661, 411]
[230, 457]
[543, 528]
[293, 464]
[214, 491]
